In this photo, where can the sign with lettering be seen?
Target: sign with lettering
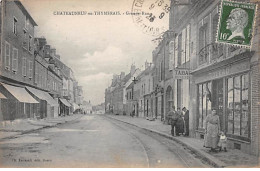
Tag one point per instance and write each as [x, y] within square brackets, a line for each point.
[223, 72]
[181, 73]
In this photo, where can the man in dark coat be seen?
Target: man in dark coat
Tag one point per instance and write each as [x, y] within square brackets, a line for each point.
[186, 120]
[180, 123]
[173, 119]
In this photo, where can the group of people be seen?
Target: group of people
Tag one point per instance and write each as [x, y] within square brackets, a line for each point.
[179, 121]
[213, 138]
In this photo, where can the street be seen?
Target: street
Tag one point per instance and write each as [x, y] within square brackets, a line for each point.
[94, 141]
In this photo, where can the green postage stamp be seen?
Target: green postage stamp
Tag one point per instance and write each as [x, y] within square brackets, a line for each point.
[236, 23]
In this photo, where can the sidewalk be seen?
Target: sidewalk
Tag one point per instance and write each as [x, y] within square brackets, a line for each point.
[232, 158]
[21, 126]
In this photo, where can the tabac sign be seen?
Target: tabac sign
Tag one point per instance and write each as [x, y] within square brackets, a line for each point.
[181, 73]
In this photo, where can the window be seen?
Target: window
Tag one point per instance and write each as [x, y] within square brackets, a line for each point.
[15, 26]
[25, 39]
[188, 43]
[7, 55]
[30, 44]
[15, 60]
[179, 50]
[171, 54]
[159, 72]
[203, 41]
[24, 67]
[176, 51]
[149, 85]
[183, 46]
[204, 102]
[30, 69]
[26, 24]
[238, 105]
[217, 49]
[162, 71]
[36, 73]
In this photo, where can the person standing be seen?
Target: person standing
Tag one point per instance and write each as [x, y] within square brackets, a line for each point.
[186, 121]
[173, 119]
[180, 123]
[212, 130]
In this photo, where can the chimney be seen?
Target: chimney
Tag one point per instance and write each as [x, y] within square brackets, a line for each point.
[146, 64]
[53, 52]
[132, 71]
[47, 51]
[122, 75]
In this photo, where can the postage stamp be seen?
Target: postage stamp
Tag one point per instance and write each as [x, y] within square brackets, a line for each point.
[236, 23]
[152, 16]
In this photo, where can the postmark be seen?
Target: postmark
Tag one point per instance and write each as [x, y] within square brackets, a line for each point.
[154, 16]
[236, 23]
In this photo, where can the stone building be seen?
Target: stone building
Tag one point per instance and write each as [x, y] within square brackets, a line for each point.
[222, 76]
[16, 61]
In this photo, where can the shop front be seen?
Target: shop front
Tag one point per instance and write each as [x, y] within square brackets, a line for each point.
[226, 87]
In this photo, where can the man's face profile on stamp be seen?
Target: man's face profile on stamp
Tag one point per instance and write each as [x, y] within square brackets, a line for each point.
[236, 23]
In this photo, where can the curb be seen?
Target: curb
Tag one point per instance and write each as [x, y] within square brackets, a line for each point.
[32, 130]
[204, 156]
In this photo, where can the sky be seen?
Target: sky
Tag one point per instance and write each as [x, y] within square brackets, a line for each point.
[94, 46]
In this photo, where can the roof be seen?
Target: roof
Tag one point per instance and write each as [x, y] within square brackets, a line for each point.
[130, 86]
[20, 5]
[126, 78]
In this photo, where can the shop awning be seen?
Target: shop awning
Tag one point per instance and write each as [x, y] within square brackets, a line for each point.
[65, 102]
[20, 94]
[43, 96]
[2, 96]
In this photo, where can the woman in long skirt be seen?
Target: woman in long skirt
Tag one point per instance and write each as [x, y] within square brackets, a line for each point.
[212, 130]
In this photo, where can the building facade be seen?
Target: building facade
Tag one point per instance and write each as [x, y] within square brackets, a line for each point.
[17, 61]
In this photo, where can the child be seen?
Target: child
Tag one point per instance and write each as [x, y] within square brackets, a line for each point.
[222, 142]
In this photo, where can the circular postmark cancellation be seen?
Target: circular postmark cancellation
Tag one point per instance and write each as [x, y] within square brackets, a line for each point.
[236, 23]
[151, 16]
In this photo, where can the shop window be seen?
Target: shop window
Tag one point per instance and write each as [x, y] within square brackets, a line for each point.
[238, 105]
[204, 103]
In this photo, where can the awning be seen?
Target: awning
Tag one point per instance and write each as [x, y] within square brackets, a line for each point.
[65, 102]
[2, 96]
[43, 96]
[20, 94]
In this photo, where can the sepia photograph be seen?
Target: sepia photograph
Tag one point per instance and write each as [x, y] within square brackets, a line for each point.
[129, 84]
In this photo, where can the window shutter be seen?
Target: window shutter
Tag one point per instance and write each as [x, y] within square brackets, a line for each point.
[24, 67]
[188, 43]
[176, 51]
[7, 55]
[171, 54]
[15, 60]
[30, 69]
[183, 46]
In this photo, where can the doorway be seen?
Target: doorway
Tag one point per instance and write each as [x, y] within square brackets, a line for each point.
[218, 97]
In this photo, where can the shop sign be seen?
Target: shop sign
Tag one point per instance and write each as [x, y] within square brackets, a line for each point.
[181, 73]
[223, 72]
